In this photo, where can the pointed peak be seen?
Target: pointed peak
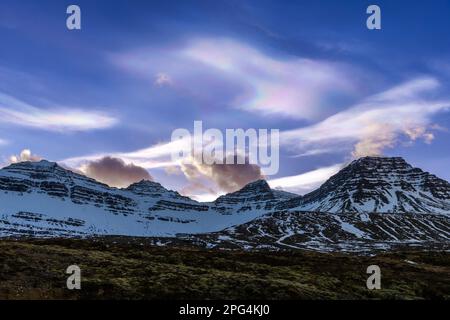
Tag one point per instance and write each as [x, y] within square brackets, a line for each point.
[256, 187]
[260, 184]
[144, 182]
[146, 186]
[258, 190]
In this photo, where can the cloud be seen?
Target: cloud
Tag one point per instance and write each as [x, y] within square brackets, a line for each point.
[248, 78]
[402, 113]
[305, 182]
[379, 122]
[16, 112]
[210, 179]
[115, 172]
[155, 156]
[206, 197]
[374, 140]
[227, 177]
[172, 170]
[163, 79]
[25, 155]
[313, 152]
[199, 191]
[294, 87]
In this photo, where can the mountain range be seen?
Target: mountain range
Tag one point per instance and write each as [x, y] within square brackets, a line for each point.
[374, 202]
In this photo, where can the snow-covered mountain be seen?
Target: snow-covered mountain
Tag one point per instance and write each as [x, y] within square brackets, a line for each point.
[255, 196]
[373, 202]
[44, 199]
[377, 184]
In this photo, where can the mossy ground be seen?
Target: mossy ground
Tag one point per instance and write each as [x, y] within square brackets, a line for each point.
[35, 269]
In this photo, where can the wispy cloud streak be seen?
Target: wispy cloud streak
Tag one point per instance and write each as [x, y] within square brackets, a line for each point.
[379, 122]
[305, 182]
[16, 112]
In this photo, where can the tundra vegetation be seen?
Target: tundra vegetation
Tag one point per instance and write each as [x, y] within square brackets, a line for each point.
[131, 268]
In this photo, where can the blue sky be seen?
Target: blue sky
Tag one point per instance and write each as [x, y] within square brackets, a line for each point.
[140, 69]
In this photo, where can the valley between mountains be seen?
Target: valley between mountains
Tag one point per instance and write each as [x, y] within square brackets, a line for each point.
[374, 203]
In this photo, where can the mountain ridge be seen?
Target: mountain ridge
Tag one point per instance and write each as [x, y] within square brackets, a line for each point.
[43, 199]
[377, 184]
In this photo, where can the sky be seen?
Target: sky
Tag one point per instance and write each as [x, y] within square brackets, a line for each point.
[104, 100]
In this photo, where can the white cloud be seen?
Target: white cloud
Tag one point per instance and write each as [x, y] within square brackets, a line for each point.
[314, 152]
[305, 182]
[17, 112]
[162, 79]
[156, 156]
[292, 87]
[25, 155]
[377, 123]
[206, 197]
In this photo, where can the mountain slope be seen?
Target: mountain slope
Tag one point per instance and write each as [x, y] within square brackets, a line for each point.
[377, 184]
[44, 199]
[334, 232]
[372, 203]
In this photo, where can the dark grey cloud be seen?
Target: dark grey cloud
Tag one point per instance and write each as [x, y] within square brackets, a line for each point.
[115, 172]
[228, 177]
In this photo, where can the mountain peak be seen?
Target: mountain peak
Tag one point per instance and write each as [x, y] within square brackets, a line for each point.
[374, 161]
[260, 185]
[146, 187]
[144, 183]
[257, 192]
[37, 167]
[380, 184]
[34, 164]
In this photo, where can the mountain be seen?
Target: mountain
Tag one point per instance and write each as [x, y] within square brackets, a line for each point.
[373, 203]
[44, 199]
[255, 196]
[377, 184]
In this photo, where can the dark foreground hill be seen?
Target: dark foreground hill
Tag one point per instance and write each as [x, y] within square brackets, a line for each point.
[128, 269]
